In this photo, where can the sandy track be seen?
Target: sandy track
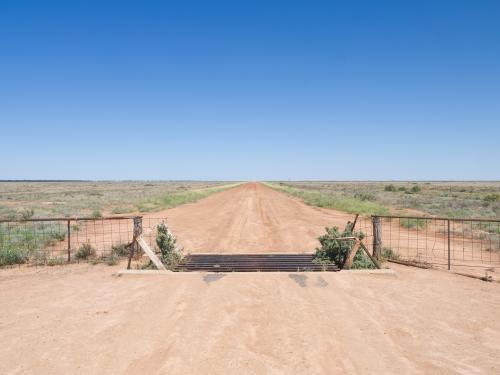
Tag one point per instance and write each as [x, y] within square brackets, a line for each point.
[250, 218]
[80, 319]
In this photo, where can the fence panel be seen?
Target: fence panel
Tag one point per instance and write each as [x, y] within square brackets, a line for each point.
[59, 240]
[442, 242]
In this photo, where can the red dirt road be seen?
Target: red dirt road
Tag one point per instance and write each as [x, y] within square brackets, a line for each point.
[250, 218]
[79, 319]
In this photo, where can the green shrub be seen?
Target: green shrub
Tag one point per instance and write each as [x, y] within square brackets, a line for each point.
[493, 197]
[491, 228]
[97, 260]
[122, 210]
[347, 204]
[112, 260]
[402, 188]
[55, 261]
[388, 253]
[120, 250]
[10, 256]
[334, 250]
[167, 243]
[416, 189]
[411, 223]
[364, 196]
[60, 235]
[96, 214]
[390, 187]
[85, 251]
[38, 258]
[27, 213]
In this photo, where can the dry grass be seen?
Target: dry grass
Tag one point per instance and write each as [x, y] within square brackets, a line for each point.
[92, 198]
[450, 199]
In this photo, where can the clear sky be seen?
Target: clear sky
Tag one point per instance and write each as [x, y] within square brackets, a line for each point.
[250, 90]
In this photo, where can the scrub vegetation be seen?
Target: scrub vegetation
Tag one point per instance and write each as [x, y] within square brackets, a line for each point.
[333, 250]
[361, 203]
[31, 242]
[25, 200]
[446, 199]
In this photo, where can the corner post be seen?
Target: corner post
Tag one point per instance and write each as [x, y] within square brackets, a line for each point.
[449, 246]
[137, 232]
[377, 237]
[69, 240]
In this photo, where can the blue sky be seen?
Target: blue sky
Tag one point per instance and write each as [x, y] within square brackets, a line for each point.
[350, 90]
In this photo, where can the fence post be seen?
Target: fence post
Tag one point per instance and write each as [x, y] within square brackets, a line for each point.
[137, 232]
[377, 237]
[449, 246]
[69, 240]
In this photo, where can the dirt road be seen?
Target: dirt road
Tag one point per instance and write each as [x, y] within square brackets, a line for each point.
[250, 218]
[79, 319]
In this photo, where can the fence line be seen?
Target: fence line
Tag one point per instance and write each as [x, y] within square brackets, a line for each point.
[59, 240]
[443, 242]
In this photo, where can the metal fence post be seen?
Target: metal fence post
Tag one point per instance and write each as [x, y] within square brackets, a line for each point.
[449, 246]
[69, 240]
[137, 232]
[377, 237]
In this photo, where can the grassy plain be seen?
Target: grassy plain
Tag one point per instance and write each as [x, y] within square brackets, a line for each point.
[98, 198]
[451, 199]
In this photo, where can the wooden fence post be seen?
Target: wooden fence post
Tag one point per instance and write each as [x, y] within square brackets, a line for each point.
[377, 237]
[69, 239]
[137, 232]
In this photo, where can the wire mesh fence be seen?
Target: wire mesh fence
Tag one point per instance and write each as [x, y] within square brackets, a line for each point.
[59, 240]
[442, 242]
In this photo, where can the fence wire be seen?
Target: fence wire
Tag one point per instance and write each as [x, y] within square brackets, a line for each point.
[442, 242]
[60, 240]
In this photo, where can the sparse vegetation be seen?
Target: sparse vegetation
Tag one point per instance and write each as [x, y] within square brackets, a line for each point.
[122, 210]
[10, 256]
[34, 242]
[494, 197]
[120, 250]
[448, 199]
[56, 261]
[322, 199]
[334, 250]
[27, 213]
[170, 255]
[85, 251]
[20, 200]
[177, 198]
[416, 189]
[112, 260]
[27, 240]
[388, 253]
[413, 223]
[59, 235]
[364, 196]
[390, 187]
[96, 214]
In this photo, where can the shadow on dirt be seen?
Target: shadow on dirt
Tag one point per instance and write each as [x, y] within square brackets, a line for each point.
[210, 278]
[321, 283]
[299, 279]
